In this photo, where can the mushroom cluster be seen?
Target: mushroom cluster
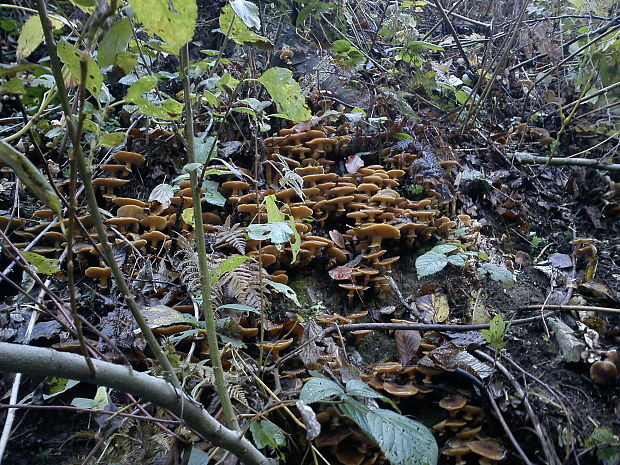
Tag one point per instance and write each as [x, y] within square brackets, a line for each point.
[361, 212]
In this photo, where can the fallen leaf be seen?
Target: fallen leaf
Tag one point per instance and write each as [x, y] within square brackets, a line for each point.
[407, 344]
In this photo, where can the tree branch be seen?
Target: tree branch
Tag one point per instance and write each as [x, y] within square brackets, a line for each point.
[38, 361]
[525, 157]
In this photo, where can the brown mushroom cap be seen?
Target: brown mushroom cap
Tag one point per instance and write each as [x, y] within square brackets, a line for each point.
[109, 184]
[275, 347]
[129, 158]
[102, 274]
[603, 372]
[378, 232]
[154, 223]
[453, 403]
[120, 201]
[386, 367]
[131, 211]
[488, 449]
[398, 390]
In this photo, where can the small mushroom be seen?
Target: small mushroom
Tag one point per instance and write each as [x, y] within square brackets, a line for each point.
[453, 403]
[154, 223]
[457, 449]
[109, 184]
[489, 450]
[274, 348]
[603, 372]
[378, 232]
[102, 274]
[129, 159]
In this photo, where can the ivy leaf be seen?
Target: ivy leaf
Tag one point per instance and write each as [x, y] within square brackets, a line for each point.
[285, 91]
[30, 176]
[318, 389]
[115, 40]
[239, 32]
[31, 36]
[430, 263]
[172, 20]
[71, 57]
[227, 265]
[42, 264]
[168, 109]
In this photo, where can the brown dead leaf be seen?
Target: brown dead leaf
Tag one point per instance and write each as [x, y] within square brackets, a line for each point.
[341, 273]
[407, 344]
[433, 307]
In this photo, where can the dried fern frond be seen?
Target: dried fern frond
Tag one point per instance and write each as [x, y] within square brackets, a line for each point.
[236, 392]
[288, 177]
[231, 236]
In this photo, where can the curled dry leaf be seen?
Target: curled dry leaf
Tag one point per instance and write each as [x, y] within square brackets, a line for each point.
[341, 273]
[337, 238]
[313, 427]
[353, 164]
[407, 344]
[433, 307]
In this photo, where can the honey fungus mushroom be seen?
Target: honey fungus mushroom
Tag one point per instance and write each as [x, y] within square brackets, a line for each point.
[603, 372]
[378, 232]
[489, 450]
[100, 273]
[109, 184]
[128, 159]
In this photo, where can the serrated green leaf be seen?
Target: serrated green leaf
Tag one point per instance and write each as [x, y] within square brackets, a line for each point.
[31, 36]
[444, 248]
[161, 316]
[172, 20]
[430, 263]
[71, 57]
[227, 265]
[42, 264]
[162, 193]
[318, 389]
[285, 91]
[456, 260]
[168, 109]
[115, 40]
[239, 32]
[126, 61]
[113, 139]
[30, 176]
[357, 387]
[12, 86]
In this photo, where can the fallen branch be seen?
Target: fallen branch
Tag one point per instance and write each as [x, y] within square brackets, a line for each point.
[38, 361]
[524, 157]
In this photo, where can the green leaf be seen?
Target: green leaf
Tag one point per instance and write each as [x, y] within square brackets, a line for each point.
[31, 36]
[162, 193]
[101, 401]
[12, 86]
[402, 136]
[285, 91]
[240, 33]
[444, 248]
[274, 215]
[239, 308]
[205, 147]
[265, 433]
[188, 216]
[115, 40]
[278, 233]
[168, 109]
[497, 273]
[212, 195]
[31, 177]
[402, 441]
[357, 387]
[42, 264]
[295, 241]
[496, 334]
[318, 389]
[247, 12]
[71, 57]
[113, 139]
[191, 167]
[161, 315]
[456, 260]
[286, 290]
[59, 385]
[227, 265]
[430, 263]
[172, 20]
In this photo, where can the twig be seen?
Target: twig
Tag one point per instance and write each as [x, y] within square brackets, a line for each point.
[525, 157]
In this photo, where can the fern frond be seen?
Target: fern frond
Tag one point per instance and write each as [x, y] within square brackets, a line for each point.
[230, 236]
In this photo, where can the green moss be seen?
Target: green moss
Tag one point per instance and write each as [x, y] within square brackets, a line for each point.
[377, 347]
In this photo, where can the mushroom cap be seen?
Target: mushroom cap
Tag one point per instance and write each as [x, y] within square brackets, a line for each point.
[488, 448]
[453, 402]
[154, 236]
[129, 158]
[121, 221]
[383, 231]
[153, 222]
[603, 372]
[386, 367]
[120, 201]
[98, 272]
[397, 390]
[110, 182]
[235, 185]
[276, 345]
[131, 211]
